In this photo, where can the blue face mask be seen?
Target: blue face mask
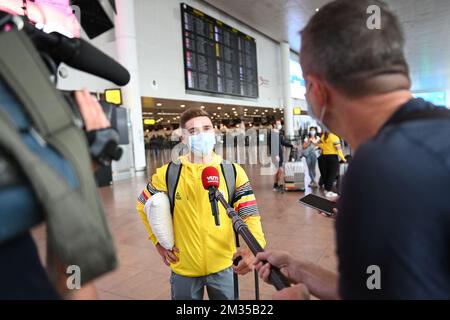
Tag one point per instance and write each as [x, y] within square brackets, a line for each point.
[202, 144]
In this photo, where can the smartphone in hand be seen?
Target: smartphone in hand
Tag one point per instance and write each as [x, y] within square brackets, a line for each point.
[324, 205]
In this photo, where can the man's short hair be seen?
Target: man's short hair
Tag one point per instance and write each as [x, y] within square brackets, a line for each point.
[191, 114]
[338, 45]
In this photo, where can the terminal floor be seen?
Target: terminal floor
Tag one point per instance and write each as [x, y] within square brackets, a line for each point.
[141, 274]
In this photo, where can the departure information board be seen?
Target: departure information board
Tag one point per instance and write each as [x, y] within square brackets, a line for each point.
[218, 59]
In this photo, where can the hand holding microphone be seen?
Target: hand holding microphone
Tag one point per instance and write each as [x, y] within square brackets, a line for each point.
[211, 182]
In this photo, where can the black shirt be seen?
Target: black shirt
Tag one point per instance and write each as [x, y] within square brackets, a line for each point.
[277, 142]
[394, 212]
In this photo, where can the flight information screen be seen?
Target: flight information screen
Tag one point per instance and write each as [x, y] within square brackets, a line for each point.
[218, 59]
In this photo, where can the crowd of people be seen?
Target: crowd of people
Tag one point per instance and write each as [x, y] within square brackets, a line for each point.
[320, 149]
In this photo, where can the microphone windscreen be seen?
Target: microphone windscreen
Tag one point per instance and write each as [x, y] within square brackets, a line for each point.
[92, 60]
[210, 178]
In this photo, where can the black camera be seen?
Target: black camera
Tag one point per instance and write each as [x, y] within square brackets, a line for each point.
[55, 49]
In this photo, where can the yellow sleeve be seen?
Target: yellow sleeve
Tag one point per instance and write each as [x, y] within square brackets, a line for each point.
[244, 203]
[158, 184]
[338, 146]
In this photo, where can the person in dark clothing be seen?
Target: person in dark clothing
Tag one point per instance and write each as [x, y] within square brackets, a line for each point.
[331, 154]
[277, 143]
[393, 219]
[22, 275]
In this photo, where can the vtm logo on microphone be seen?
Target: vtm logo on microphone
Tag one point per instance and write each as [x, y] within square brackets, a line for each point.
[213, 179]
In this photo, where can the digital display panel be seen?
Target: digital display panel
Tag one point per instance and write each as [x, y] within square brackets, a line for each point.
[218, 59]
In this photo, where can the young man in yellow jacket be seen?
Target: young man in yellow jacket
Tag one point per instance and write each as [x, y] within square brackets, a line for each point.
[203, 253]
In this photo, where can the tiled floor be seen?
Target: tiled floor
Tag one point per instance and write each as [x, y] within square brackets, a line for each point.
[142, 275]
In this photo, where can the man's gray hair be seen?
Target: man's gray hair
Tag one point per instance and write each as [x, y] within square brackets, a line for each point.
[338, 45]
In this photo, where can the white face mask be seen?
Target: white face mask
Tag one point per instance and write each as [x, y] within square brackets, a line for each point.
[279, 127]
[313, 133]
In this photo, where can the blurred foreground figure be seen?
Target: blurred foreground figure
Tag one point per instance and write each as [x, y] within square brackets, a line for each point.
[46, 171]
[393, 221]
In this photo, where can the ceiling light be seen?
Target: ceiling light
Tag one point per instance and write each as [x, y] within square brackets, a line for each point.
[202, 107]
[159, 104]
[183, 106]
[317, 9]
[233, 109]
[219, 108]
[245, 109]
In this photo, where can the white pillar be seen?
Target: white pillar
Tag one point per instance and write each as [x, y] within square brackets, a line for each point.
[286, 87]
[125, 30]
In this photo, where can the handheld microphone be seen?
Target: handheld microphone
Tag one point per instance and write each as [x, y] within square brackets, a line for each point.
[211, 182]
[79, 54]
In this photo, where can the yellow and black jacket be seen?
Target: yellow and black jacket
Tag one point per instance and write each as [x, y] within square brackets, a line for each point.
[204, 247]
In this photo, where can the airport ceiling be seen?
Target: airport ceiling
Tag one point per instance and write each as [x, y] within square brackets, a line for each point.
[426, 24]
[167, 111]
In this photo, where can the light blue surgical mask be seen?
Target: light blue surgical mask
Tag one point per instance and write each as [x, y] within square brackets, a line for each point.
[202, 144]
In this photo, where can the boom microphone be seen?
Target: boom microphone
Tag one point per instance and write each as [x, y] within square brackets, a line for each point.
[211, 180]
[79, 54]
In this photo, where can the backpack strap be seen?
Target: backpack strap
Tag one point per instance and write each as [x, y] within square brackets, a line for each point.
[172, 177]
[229, 173]
[173, 174]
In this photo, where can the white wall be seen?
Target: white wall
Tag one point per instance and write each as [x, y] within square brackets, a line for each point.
[160, 54]
[160, 49]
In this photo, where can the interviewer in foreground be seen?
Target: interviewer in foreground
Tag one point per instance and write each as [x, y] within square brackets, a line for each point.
[393, 221]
